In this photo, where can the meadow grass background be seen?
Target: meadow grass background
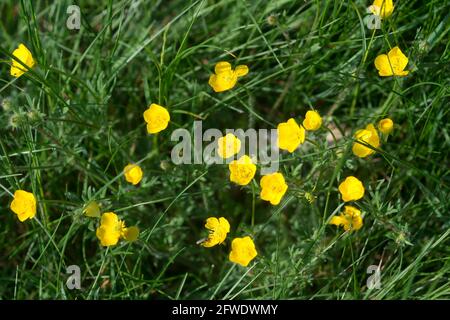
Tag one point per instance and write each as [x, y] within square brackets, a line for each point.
[69, 126]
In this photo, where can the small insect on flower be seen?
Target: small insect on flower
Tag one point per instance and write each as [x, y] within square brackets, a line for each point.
[273, 188]
[386, 126]
[242, 251]
[312, 121]
[23, 55]
[290, 135]
[225, 77]
[157, 118]
[111, 229]
[350, 219]
[242, 170]
[351, 189]
[133, 174]
[369, 135]
[24, 205]
[229, 145]
[218, 230]
[392, 64]
[382, 8]
[92, 210]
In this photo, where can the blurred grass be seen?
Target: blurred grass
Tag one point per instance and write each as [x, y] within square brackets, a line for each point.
[69, 126]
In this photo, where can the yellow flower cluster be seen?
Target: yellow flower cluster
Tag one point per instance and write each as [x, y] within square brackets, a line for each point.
[273, 187]
[242, 171]
[367, 139]
[111, 229]
[394, 62]
[225, 78]
[350, 219]
[291, 135]
[351, 189]
[243, 250]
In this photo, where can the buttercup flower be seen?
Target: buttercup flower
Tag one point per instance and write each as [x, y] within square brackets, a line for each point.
[24, 205]
[92, 210]
[392, 64]
[350, 219]
[242, 251]
[312, 121]
[219, 229]
[351, 189]
[382, 8]
[111, 229]
[24, 55]
[368, 135]
[133, 173]
[290, 135]
[273, 188]
[157, 118]
[242, 170]
[130, 234]
[226, 78]
[229, 145]
[386, 126]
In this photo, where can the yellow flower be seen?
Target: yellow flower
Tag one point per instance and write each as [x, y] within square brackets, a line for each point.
[229, 145]
[382, 8]
[133, 173]
[92, 210]
[226, 78]
[290, 135]
[392, 64]
[24, 205]
[386, 125]
[350, 219]
[111, 229]
[23, 55]
[273, 188]
[157, 118]
[219, 229]
[351, 189]
[369, 135]
[242, 170]
[242, 251]
[312, 121]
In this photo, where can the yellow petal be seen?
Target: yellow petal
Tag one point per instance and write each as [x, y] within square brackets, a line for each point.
[337, 221]
[131, 234]
[222, 67]
[383, 66]
[241, 70]
[109, 219]
[397, 60]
